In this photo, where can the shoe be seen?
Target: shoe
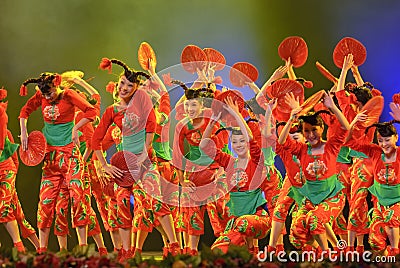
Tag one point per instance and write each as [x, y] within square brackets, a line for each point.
[20, 246]
[103, 251]
[174, 249]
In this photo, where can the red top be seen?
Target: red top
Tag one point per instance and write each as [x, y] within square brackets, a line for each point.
[317, 167]
[185, 132]
[63, 111]
[292, 166]
[137, 116]
[347, 104]
[241, 180]
[3, 124]
[164, 107]
[88, 129]
[384, 173]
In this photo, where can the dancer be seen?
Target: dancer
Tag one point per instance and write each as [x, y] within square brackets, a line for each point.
[318, 161]
[195, 170]
[11, 211]
[134, 115]
[249, 220]
[63, 161]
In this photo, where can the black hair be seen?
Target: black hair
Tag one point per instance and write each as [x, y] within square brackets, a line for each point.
[233, 130]
[385, 129]
[362, 93]
[44, 81]
[130, 74]
[314, 118]
[194, 93]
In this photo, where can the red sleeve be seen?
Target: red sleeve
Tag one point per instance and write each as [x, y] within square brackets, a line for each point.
[371, 150]
[336, 140]
[151, 122]
[98, 103]
[78, 101]
[15, 155]
[3, 126]
[178, 145]
[101, 130]
[292, 146]
[344, 101]
[31, 105]
[223, 159]
[165, 104]
[87, 129]
[255, 151]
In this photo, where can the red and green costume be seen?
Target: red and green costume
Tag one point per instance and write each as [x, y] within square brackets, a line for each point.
[203, 172]
[320, 199]
[248, 218]
[63, 161]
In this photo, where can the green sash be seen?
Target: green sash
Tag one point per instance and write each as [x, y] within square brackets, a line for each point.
[296, 195]
[134, 143]
[162, 149]
[9, 150]
[318, 191]
[245, 203]
[387, 194]
[343, 156]
[58, 134]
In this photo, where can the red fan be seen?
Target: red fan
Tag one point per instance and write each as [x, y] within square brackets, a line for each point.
[347, 46]
[36, 149]
[242, 73]
[373, 109]
[146, 52]
[217, 105]
[127, 162]
[279, 89]
[216, 58]
[295, 48]
[193, 58]
[310, 102]
[326, 73]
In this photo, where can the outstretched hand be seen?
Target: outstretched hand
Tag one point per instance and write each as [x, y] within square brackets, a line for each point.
[232, 105]
[395, 111]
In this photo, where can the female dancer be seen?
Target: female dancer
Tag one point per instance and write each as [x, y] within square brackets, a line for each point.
[351, 99]
[322, 190]
[63, 161]
[10, 207]
[196, 171]
[249, 220]
[134, 115]
[386, 185]
[61, 223]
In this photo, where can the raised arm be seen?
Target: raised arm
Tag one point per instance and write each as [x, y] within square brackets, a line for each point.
[233, 108]
[329, 103]
[357, 75]
[267, 130]
[293, 102]
[347, 64]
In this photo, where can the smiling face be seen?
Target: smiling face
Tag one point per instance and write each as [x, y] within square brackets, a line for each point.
[312, 133]
[240, 146]
[193, 108]
[387, 144]
[126, 88]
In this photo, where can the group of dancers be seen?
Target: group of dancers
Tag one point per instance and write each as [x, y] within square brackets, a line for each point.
[218, 157]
